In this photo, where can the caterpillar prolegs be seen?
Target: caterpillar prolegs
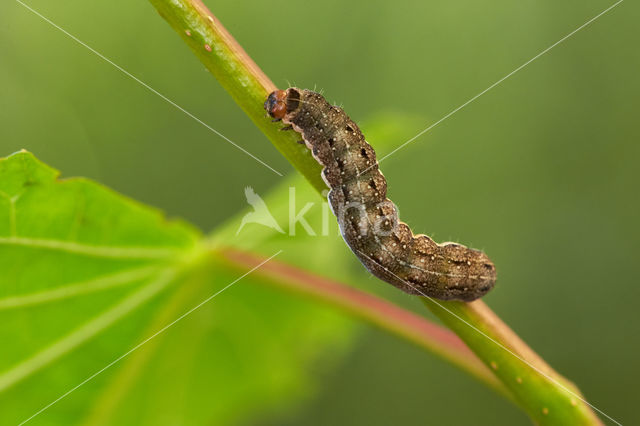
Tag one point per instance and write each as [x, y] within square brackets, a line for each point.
[368, 220]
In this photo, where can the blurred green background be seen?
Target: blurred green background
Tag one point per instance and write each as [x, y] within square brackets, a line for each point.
[541, 172]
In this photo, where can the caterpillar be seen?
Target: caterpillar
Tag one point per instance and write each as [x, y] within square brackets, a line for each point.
[368, 220]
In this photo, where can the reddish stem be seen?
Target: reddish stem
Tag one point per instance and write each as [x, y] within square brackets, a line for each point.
[375, 310]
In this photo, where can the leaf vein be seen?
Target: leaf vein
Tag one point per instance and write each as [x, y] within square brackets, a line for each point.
[116, 252]
[71, 341]
[78, 288]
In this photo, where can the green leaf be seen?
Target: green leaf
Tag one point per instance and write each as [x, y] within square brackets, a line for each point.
[88, 274]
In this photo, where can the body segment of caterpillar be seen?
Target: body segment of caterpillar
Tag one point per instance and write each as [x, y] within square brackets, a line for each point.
[368, 220]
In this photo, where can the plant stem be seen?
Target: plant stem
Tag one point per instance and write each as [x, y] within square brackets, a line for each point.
[237, 73]
[547, 397]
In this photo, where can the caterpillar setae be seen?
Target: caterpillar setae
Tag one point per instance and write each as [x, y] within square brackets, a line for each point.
[368, 220]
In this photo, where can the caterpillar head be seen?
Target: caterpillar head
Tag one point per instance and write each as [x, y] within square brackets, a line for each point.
[281, 102]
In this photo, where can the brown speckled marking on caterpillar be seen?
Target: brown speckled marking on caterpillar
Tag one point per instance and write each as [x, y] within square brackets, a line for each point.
[368, 219]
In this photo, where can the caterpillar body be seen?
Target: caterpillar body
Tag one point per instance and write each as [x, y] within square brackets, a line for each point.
[368, 220]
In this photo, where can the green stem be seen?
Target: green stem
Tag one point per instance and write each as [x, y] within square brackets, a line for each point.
[237, 73]
[547, 397]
